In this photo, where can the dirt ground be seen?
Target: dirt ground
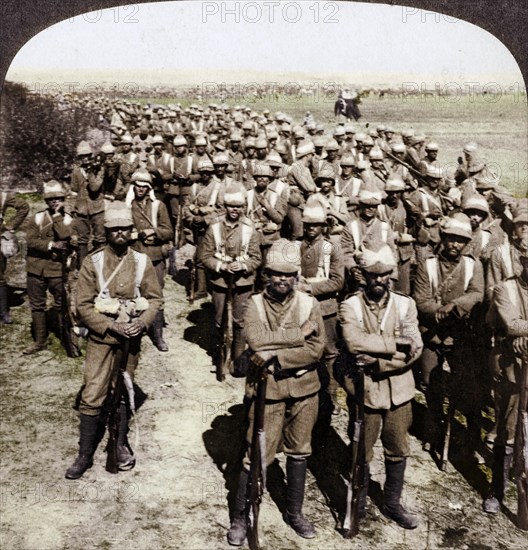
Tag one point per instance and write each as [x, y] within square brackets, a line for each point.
[188, 441]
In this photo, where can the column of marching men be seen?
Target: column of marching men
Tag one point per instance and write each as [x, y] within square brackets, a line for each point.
[322, 240]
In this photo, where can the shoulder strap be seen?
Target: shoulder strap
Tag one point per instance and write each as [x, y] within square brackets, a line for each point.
[469, 268]
[354, 229]
[355, 304]
[505, 254]
[485, 238]
[384, 231]
[217, 234]
[3, 199]
[431, 265]
[511, 287]
[189, 164]
[155, 209]
[140, 260]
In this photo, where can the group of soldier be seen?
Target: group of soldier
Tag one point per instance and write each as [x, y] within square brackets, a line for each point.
[326, 243]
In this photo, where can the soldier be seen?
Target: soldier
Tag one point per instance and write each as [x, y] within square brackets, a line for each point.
[128, 161]
[179, 187]
[272, 317]
[302, 186]
[266, 207]
[447, 288]
[396, 167]
[7, 231]
[365, 230]
[462, 172]
[347, 185]
[48, 234]
[380, 328]
[88, 201]
[113, 187]
[199, 214]
[379, 171]
[426, 207]
[414, 151]
[393, 212]
[332, 156]
[160, 165]
[234, 154]
[510, 300]
[322, 276]
[431, 156]
[119, 276]
[153, 237]
[231, 251]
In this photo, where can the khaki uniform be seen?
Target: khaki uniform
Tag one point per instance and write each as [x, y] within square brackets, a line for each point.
[149, 215]
[43, 265]
[88, 206]
[21, 207]
[179, 189]
[291, 397]
[301, 186]
[372, 328]
[510, 300]
[438, 282]
[161, 167]
[267, 220]
[226, 242]
[102, 345]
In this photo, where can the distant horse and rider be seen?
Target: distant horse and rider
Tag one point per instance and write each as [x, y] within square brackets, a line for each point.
[347, 105]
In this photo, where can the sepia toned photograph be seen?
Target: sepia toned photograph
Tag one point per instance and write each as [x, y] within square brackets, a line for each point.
[263, 280]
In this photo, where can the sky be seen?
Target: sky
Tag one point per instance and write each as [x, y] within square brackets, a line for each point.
[306, 37]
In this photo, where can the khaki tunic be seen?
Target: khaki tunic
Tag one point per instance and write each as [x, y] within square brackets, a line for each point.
[99, 372]
[42, 230]
[393, 383]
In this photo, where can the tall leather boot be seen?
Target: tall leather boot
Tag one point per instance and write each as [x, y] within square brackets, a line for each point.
[364, 493]
[89, 428]
[83, 252]
[125, 456]
[502, 462]
[5, 316]
[156, 332]
[38, 318]
[201, 284]
[238, 531]
[392, 507]
[296, 477]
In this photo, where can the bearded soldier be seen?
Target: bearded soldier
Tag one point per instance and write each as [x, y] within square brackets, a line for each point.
[154, 234]
[118, 296]
[285, 334]
[380, 328]
[7, 230]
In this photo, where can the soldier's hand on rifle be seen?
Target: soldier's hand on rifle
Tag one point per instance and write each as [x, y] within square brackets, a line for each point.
[262, 358]
[236, 266]
[120, 329]
[134, 328]
[408, 344]
[365, 360]
[308, 328]
[444, 312]
[520, 345]
[146, 233]
[60, 245]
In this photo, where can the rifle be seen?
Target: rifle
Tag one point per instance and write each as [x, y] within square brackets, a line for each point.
[411, 169]
[227, 332]
[120, 363]
[192, 282]
[448, 420]
[357, 472]
[67, 336]
[257, 471]
[521, 450]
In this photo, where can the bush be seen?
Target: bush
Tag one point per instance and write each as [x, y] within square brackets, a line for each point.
[37, 139]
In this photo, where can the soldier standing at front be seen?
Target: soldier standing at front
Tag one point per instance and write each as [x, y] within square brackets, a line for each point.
[284, 331]
[118, 296]
[380, 328]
